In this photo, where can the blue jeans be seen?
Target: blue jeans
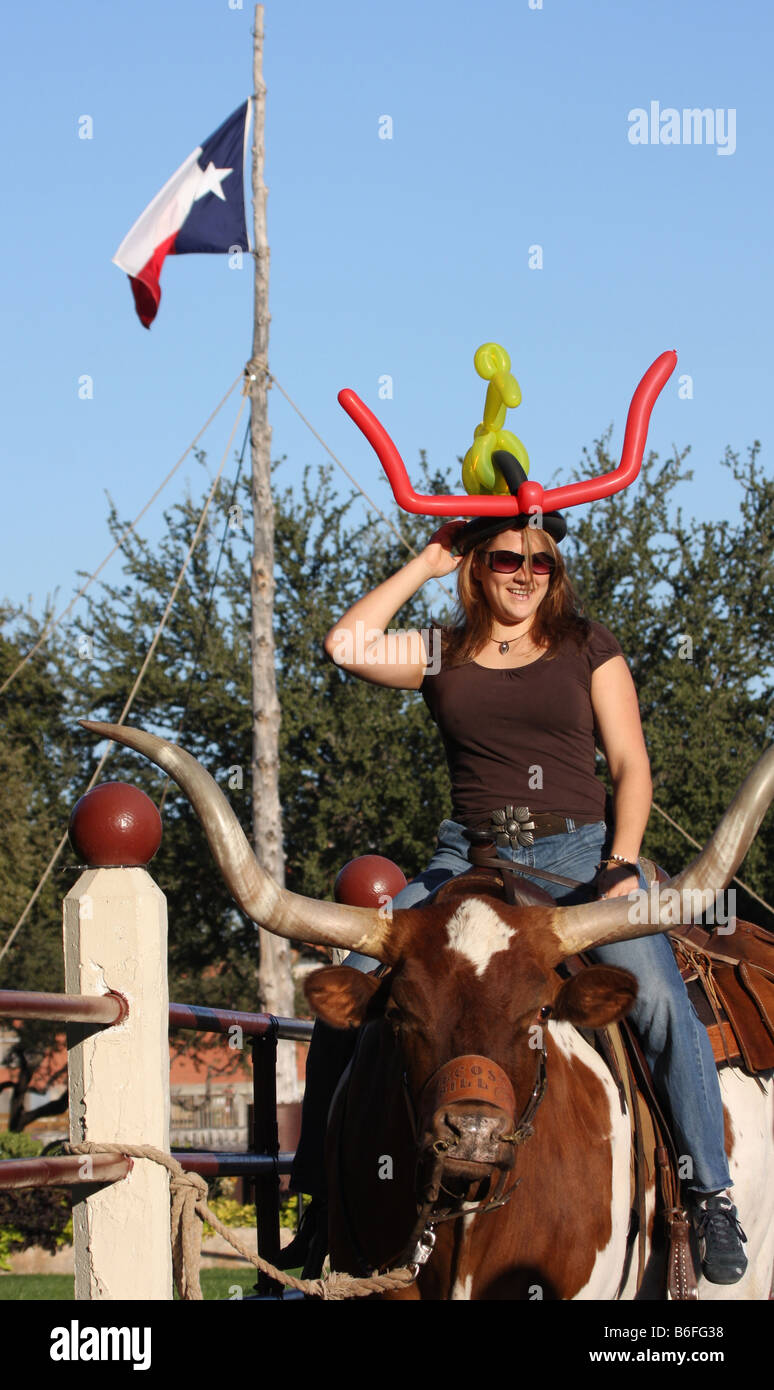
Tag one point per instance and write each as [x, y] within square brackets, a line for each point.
[675, 1042]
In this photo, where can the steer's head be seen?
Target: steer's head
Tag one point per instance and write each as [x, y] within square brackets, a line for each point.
[470, 986]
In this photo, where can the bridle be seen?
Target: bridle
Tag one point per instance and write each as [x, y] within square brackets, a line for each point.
[463, 1074]
[469, 1076]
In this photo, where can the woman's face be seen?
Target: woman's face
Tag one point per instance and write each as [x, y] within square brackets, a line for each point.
[512, 598]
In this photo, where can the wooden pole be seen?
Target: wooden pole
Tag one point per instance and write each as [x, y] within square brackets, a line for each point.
[275, 980]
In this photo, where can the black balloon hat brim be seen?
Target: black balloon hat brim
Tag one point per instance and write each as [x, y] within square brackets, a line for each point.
[482, 528]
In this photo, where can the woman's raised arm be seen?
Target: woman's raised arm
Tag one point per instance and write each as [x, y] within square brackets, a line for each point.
[359, 642]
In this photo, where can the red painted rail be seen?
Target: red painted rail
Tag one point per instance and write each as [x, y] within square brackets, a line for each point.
[64, 1008]
[233, 1165]
[205, 1020]
[63, 1172]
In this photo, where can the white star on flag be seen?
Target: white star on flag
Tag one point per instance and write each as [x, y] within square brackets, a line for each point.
[211, 181]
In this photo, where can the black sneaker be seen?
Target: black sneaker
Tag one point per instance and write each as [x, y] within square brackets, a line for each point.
[717, 1226]
[309, 1246]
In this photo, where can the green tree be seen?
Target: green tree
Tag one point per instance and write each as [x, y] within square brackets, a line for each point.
[690, 604]
[196, 692]
[39, 772]
[33, 1216]
[362, 767]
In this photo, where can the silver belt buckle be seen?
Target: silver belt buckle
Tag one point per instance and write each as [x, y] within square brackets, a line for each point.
[513, 825]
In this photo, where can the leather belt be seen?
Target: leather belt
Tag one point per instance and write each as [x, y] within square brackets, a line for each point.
[517, 825]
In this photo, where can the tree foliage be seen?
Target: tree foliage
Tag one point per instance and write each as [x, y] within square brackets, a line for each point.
[362, 770]
[691, 604]
[39, 1216]
[40, 774]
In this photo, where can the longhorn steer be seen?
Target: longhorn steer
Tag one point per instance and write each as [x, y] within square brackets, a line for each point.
[473, 976]
[447, 1076]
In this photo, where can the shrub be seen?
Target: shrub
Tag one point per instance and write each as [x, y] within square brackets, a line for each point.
[18, 1145]
[33, 1215]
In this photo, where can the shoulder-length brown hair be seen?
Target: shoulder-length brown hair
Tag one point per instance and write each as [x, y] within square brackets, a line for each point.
[557, 617]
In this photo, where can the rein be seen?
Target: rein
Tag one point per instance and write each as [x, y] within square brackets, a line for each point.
[479, 858]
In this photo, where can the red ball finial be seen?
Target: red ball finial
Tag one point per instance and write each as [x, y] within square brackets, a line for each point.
[115, 824]
[368, 881]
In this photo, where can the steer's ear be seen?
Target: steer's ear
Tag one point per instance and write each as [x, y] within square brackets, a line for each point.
[599, 994]
[340, 995]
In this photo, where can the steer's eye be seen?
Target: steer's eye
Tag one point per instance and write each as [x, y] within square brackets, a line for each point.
[397, 1017]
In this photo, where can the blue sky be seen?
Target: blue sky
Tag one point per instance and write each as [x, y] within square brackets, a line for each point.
[399, 257]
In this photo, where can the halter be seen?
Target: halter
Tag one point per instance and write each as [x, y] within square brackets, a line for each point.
[464, 1076]
[468, 1076]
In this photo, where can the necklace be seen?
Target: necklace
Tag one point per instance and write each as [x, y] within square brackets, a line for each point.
[505, 647]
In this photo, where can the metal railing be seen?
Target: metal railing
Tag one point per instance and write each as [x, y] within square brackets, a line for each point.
[64, 1008]
[263, 1164]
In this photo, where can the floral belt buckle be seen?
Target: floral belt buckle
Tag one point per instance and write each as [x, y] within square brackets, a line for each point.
[513, 825]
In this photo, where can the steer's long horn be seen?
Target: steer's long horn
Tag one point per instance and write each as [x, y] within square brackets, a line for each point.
[278, 910]
[599, 923]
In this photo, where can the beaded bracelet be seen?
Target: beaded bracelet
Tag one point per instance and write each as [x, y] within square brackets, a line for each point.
[617, 859]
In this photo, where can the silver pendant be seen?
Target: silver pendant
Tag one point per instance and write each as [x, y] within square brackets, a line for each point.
[505, 647]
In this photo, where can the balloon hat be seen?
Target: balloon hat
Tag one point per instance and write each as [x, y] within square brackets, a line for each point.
[496, 488]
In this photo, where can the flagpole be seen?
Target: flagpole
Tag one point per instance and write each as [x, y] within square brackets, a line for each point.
[275, 981]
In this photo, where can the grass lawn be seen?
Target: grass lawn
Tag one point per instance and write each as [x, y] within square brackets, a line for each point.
[216, 1284]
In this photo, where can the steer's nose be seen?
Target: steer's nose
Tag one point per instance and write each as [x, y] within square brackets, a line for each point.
[473, 1134]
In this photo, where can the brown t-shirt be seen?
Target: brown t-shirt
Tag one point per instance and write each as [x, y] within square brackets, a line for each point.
[523, 736]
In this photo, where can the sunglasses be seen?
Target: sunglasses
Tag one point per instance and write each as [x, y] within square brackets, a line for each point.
[510, 561]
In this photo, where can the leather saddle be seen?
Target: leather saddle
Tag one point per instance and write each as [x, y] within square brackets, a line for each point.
[729, 974]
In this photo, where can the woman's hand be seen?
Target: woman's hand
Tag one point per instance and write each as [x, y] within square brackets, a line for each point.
[437, 553]
[615, 882]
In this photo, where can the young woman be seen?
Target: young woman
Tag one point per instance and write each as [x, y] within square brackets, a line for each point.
[525, 689]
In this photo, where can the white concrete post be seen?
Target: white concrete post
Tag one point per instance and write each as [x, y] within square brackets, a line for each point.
[115, 937]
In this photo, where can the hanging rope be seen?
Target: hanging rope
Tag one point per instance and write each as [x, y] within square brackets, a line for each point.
[138, 680]
[206, 618]
[56, 621]
[699, 846]
[188, 1192]
[349, 475]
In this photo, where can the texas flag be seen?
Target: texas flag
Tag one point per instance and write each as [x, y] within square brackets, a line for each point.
[201, 208]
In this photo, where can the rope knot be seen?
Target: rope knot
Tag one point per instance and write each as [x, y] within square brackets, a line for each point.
[256, 367]
[188, 1192]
